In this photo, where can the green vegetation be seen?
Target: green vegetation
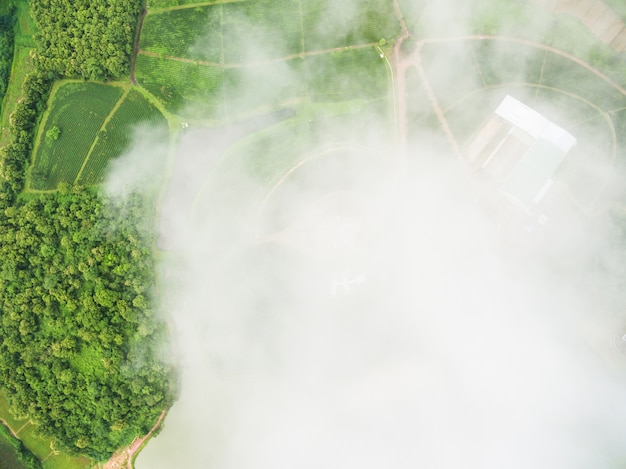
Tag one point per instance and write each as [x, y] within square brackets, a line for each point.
[6, 52]
[39, 445]
[276, 28]
[79, 355]
[327, 26]
[156, 4]
[13, 453]
[21, 65]
[347, 74]
[193, 33]
[272, 90]
[78, 110]
[80, 339]
[92, 40]
[180, 85]
[133, 113]
[78, 358]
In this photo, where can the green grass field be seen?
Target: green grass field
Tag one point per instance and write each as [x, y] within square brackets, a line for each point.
[135, 111]
[193, 33]
[78, 110]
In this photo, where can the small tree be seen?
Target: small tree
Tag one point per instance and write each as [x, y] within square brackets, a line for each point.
[53, 134]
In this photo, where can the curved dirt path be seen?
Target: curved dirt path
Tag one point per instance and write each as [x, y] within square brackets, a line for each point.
[124, 458]
[403, 62]
[136, 445]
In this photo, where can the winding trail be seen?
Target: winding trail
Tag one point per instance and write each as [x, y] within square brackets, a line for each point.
[404, 62]
[136, 445]
[124, 457]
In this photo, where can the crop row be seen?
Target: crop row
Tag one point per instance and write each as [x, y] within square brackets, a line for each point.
[327, 25]
[249, 88]
[156, 4]
[181, 85]
[260, 30]
[346, 75]
[117, 136]
[193, 33]
[78, 110]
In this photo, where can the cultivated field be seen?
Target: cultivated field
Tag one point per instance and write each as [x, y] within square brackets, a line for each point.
[135, 112]
[78, 110]
[182, 85]
[193, 33]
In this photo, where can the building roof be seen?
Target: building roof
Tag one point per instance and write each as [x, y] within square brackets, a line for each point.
[538, 126]
[530, 178]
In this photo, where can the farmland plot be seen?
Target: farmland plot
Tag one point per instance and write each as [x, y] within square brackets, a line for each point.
[261, 30]
[265, 86]
[348, 74]
[115, 138]
[193, 33]
[180, 85]
[326, 25]
[77, 110]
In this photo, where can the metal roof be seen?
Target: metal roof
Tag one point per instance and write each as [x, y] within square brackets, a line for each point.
[538, 126]
[530, 179]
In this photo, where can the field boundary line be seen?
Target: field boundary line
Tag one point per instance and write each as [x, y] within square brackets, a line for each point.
[171, 118]
[434, 102]
[300, 55]
[4, 422]
[192, 5]
[17, 432]
[102, 127]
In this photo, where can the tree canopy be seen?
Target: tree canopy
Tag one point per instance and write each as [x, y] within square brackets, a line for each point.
[91, 39]
[79, 353]
[81, 345]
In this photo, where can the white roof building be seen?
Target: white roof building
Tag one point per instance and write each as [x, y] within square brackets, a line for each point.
[521, 150]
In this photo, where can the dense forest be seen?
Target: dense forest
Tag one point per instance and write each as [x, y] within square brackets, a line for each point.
[91, 39]
[79, 337]
[81, 345]
[6, 53]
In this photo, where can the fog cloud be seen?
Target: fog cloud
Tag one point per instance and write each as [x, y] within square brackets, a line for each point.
[351, 318]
